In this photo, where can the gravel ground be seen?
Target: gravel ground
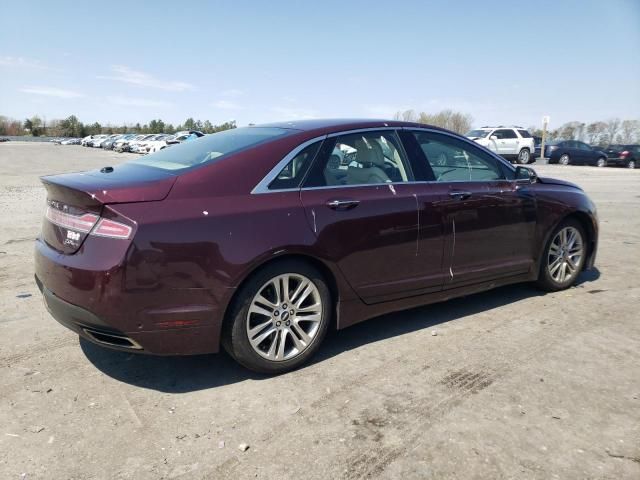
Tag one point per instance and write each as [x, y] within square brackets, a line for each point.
[516, 384]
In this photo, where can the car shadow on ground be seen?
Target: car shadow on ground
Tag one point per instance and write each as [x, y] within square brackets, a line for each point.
[192, 373]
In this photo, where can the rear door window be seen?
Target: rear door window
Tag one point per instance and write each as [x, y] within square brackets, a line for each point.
[365, 158]
[524, 134]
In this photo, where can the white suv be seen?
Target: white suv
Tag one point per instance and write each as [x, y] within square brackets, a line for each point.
[513, 143]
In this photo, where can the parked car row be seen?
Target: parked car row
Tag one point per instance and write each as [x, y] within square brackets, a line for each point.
[518, 145]
[131, 142]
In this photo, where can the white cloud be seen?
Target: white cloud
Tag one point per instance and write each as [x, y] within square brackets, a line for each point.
[232, 93]
[136, 102]
[19, 62]
[142, 79]
[292, 113]
[51, 92]
[226, 105]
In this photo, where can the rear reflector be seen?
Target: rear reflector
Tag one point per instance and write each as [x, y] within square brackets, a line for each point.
[109, 228]
[82, 223]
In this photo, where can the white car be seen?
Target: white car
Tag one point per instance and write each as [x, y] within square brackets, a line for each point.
[97, 140]
[135, 145]
[155, 144]
[512, 143]
[86, 140]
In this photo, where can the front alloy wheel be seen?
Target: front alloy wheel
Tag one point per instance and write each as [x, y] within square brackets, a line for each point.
[631, 164]
[564, 257]
[564, 159]
[601, 162]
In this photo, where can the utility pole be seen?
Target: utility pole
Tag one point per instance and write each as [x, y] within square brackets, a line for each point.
[545, 122]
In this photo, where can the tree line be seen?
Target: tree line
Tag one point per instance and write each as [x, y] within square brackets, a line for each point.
[600, 133]
[72, 127]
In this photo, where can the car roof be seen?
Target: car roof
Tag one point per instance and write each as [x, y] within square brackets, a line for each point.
[324, 126]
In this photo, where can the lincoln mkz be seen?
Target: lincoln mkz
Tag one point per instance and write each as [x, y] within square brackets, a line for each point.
[260, 239]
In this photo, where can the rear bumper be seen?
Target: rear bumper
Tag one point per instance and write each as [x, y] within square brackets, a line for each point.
[177, 341]
[93, 301]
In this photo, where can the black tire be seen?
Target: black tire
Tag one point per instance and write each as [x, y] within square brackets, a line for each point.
[235, 339]
[521, 156]
[545, 280]
[602, 162]
[566, 161]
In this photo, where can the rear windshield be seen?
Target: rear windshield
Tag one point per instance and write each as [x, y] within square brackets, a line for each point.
[210, 148]
[477, 133]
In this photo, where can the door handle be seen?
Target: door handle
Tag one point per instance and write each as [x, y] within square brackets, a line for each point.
[343, 204]
[459, 195]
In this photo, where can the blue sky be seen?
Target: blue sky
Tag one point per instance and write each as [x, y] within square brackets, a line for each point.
[502, 62]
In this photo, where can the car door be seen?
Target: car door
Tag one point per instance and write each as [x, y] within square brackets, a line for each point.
[578, 155]
[360, 202]
[507, 141]
[489, 219]
[589, 155]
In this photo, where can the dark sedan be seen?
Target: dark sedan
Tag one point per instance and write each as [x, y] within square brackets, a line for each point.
[623, 155]
[262, 238]
[573, 152]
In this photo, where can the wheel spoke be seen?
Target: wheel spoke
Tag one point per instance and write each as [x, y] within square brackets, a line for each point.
[260, 310]
[258, 328]
[299, 331]
[275, 284]
[264, 301]
[260, 338]
[298, 342]
[284, 281]
[303, 296]
[282, 340]
[301, 286]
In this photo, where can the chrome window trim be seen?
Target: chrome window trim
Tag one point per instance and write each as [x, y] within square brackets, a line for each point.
[263, 185]
[358, 130]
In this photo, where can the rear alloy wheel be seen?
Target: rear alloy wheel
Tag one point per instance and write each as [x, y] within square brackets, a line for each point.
[281, 318]
[602, 162]
[564, 257]
[524, 156]
[564, 159]
[631, 164]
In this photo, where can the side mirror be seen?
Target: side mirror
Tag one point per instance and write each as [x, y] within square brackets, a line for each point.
[526, 175]
[493, 137]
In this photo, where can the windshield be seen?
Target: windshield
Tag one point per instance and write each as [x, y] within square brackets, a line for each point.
[477, 133]
[210, 147]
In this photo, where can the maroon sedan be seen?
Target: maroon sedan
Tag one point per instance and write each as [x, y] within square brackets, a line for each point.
[262, 238]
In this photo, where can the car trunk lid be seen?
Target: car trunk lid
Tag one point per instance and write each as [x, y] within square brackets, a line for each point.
[75, 200]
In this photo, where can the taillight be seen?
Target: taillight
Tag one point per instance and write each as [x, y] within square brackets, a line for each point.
[111, 229]
[624, 154]
[79, 223]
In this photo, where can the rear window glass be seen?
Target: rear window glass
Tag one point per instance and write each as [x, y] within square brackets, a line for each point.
[210, 148]
[524, 134]
[477, 133]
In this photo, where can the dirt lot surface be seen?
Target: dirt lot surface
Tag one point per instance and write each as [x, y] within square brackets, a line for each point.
[515, 383]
